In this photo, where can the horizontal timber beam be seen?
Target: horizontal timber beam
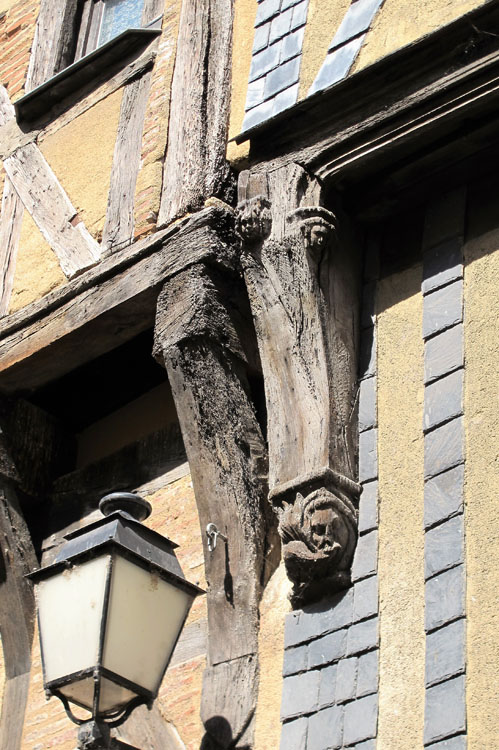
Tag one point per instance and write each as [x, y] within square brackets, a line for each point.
[105, 306]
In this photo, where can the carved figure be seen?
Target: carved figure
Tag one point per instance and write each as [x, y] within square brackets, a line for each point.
[319, 534]
[254, 219]
[317, 226]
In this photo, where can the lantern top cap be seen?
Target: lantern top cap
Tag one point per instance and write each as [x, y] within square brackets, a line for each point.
[125, 502]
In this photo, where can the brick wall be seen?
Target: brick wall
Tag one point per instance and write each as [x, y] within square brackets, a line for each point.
[17, 27]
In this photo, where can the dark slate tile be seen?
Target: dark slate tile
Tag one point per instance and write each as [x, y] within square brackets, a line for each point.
[294, 735]
[445, 712]
[254, 94]
[365, 598]
[282, 77]
[444, 353]
[442, 264]
[368, 507]
[285, 4]
[454, 743]
[445, 598]
[443, 496]
[265, 61]
[319, 619]
[445, 218]
[367, 364]
[325, 729]
[285, 99]
[443, 399]
[292, 44]
[367, 404]
[367, 674]
[299, 14]
[267, 9]
[337, 65]
[300, 694]
[327, 690]
[327, 649]
[281, 25]
[445, 652]
[346, 680]
[443, 308]
[362, 636]
[361, 719]
[258, 114]
[295, 660]
[261, 37]
[443, 448]
[368, 455]
[356, 20]
[365, 561]
[444, 546]
[368, 309]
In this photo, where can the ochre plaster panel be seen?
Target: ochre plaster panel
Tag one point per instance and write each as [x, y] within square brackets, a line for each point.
[401, 544]
[400, 22]
[323, 20]
[244, 21]
[37, 268]
[81, 155]
[482, 485]
[273, 609]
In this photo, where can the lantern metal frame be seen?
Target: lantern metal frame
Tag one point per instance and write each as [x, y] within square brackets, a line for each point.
[119, 532]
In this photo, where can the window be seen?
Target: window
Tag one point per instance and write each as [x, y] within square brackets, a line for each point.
[103, 20]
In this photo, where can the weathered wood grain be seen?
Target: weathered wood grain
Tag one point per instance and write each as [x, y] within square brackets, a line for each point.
[119, 225]
[148, 730]
[197, 339]
[195, 166]
[51, 209]
[10, 232]
[45, 340]
[54, 40]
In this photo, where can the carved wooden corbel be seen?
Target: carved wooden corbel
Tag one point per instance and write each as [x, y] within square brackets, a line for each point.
[300, 268]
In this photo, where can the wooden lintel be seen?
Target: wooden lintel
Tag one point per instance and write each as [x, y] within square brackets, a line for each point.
[102, 308]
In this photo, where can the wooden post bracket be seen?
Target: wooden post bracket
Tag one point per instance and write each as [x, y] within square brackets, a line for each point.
[300, 268]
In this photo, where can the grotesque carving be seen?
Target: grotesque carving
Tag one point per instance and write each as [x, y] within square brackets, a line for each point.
[254, 219]
[317, 227]
[319, 534]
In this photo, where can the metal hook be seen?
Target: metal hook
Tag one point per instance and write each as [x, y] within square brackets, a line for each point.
[213, 533]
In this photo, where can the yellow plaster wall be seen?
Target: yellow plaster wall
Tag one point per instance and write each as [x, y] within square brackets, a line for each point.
[401, 22]
[80, 155]
[401, 544]
[323, 20]
[482, 485]
[273, 609]
[244, 22]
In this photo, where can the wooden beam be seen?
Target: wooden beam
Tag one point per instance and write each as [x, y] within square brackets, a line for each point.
[104, 307]
[196, 337]
[54, 214]
[55, 35]
[10, 232]
[195, 166]
[119, 225]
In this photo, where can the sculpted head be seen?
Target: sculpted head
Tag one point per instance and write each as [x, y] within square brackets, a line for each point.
[330, 528]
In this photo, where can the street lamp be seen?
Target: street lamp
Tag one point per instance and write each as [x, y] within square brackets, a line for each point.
[110, 611]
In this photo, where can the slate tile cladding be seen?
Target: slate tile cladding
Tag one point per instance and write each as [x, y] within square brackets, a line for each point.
[445, 623]
[346, 43]
[330, 691]
[276, 59]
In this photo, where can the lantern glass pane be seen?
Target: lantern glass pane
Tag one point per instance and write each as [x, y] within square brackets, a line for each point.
[112, 696]
[70, 611]
[146, 614]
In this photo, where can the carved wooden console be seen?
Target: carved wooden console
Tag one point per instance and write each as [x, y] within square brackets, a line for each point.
[300, 268]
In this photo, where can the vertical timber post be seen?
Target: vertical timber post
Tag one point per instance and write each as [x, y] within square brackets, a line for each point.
[197, 338]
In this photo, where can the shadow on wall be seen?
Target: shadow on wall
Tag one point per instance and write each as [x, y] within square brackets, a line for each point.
[219, 736]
